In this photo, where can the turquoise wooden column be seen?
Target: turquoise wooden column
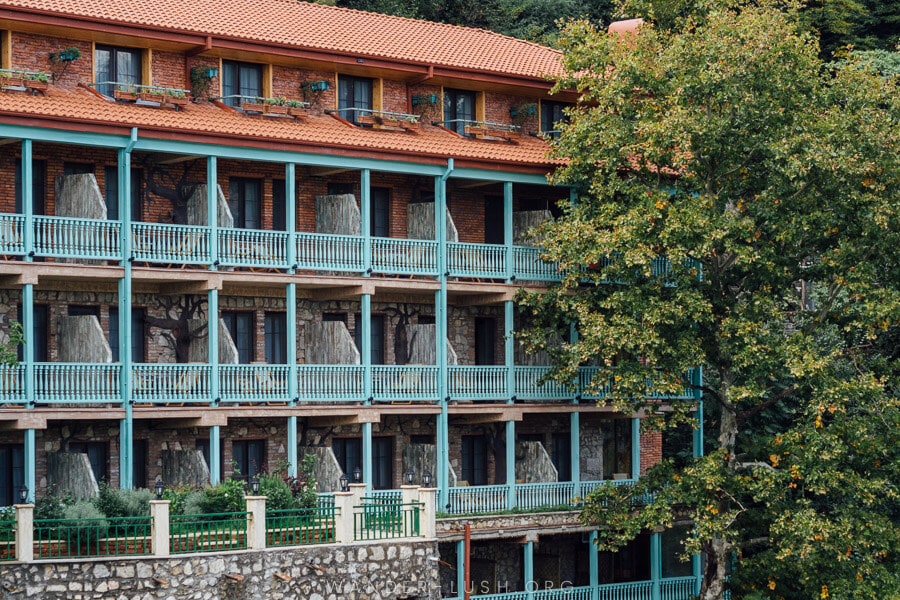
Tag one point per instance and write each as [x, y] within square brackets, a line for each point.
[27, 317]
[27, 182]
[290, 220]
[510, 464]
[528, 560]
[575, 452]
[655, 566]
[508, 230]
[696, 559]
[635, 448]
[593, 566]
[461, 582]
[366, 355]
[212, 210]
[442, 419]
[126, 425]
[212, 333]
[365, 214]
[509, 349]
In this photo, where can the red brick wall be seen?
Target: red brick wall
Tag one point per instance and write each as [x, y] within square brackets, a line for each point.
[651, 450]
[168, 70]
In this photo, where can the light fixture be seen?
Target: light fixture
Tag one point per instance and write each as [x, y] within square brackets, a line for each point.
[345, 483]
[357, 474]
[254, 485]
[160, 488]
[426, 478]
[23, 494]
[409, 474]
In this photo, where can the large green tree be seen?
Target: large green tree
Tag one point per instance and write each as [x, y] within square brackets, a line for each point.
[737, 208]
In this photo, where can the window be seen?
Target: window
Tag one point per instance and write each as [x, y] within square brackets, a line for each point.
[116, 65]
[485, 332]
[426, 320]
[203, 446]
[77, 168]
[337, 188]
[331, 317]
[241, 327]
[12, 473]
[240, 79]
[74, 310]
[493, 220]
[383, 463]
[97, 455]
[354, 92]
[138, 334]
[139, 463]
[248, 457]
[562, 456]
[40, 346]
[474, 459]
[551, 115]
[111, 193]
[380, 212]
[348, 452]
[377, 337]
[421, 438]
[244, 200]
[459, 109]
[616, 447]
[38, 186]
[276, 338]
[279, 205]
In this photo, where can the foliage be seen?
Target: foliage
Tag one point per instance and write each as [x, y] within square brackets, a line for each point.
[227, 496]
[91, 523]
[116, 502]
[9, 349]
[881, 62]
[303, 487]
[178, 498]
[770, 186]
[49, 507]
[277, 492]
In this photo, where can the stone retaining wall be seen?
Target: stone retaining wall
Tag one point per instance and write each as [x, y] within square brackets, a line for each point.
[376, 571]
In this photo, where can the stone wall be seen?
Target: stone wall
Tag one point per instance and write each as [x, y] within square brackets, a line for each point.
[372, 571]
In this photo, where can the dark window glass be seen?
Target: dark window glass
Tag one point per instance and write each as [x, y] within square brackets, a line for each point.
[75, 310]
[77, 168]
[276, 338]
[383, 463]
[331, 317]
[203, 446]
[562, 456]
[248, 457]
[38, 185]
[12, 472]
[279, 205]
[348, 452]
[40, 346]
[380, 211]
[377, 337]
[336, 188]
[493, 220]
[139, 463]
[459, 109]
[474, 459]
[116, 65]
[421, 439]
[530, 437]
[111, 194]
[244, 200]
[241, 328]
[354, 93]
[97, 455]
[426, 320]
[551, 115]
[138, 334]
[485, 332]
[616, 448]
[240, 79]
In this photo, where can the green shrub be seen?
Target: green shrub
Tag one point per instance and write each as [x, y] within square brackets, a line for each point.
[49, 507]
[114, 502]
[90, 526]
[227, 496]
[277, 492]
[191, 504]
[177, 497]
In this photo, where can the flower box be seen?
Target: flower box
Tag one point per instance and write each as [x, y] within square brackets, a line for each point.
[151, 96]
[255, 107]
[276, 109]
[178, 101]
[366, 119]
[298, 111]
[125, 95]
[8, 82]
[37, 85]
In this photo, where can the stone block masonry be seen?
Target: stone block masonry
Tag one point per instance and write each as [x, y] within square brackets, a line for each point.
[375, 571]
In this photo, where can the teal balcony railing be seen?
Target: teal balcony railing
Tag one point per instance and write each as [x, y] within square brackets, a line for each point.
[528, 385]
[12, 384]
[330, 383]
[531, 496]
[677, 588]
[253, 248]
[171, 383]
[476, 383]
[254, 383]
[381, 518]
[171, 244]
[321, 251]
[404, 257]
[590, 388]
[12, 235]
[76, 238]
[478, 499]
[483, 499]
[476, 260]
[528, 266]
[76, 383]
[407, 382]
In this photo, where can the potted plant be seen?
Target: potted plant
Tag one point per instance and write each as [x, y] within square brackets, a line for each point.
[177, 98]
[11, 79]
[151, 94]
[255, 105]
[126, 92]
[66, 55]
[368, 119]
[297, 108]
[37, 82]
[276, 106]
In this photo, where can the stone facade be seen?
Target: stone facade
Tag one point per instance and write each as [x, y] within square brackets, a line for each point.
[383, 571]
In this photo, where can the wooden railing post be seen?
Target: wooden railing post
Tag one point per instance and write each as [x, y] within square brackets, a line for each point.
[159, 527]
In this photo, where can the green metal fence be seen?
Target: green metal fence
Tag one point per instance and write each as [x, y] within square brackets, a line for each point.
[208, 533]
[81, 538]
[385, 518]
[297, 527]
[7, 539]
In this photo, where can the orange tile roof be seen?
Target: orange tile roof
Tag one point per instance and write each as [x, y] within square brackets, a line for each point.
[80, 109]
[307, 25]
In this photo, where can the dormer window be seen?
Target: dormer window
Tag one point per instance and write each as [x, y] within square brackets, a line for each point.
[459, 109]
[551, 116]
[241, 80]
[115, 65]
[354, 93]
